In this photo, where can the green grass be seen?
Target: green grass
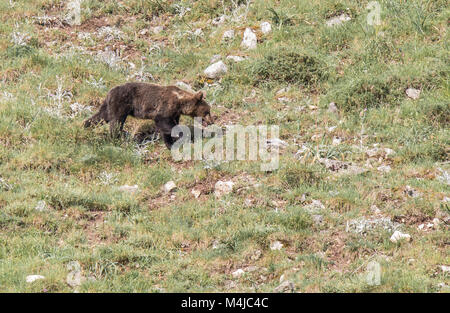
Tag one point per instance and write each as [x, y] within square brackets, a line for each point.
[152, 242]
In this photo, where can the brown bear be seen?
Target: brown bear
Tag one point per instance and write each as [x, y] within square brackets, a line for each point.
[163, 104]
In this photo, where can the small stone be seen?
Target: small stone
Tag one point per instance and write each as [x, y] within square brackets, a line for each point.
[219, 20]
[196, 193]
[389, 151]
[338, 20]
[198, 32]
[256, 255]
[215, 244]
[129, 189]
[276, 245]
[169, 186]
[157, 29]
[397, 236]
[184, 86]
[266, 27]
[384, 168]
[276, 142]
[411, 192]
[336, 141]
[238, 273]
[250, 40]
[74, 278]
[223, 187]
[285, 286]
[215, 58]
[41, 206]
[445, 268]
[235, 58]
[375, 209]
[228, 35]
[318, 219]
[216, 70]
[413, 93]
[33, 278]
[332, 108]
[436, 222]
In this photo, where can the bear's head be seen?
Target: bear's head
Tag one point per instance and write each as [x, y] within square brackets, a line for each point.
[198, 107]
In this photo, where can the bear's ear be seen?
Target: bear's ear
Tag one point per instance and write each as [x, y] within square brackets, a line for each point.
[199, 96]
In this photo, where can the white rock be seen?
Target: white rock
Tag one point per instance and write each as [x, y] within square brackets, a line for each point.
[32, 278]
[389, 151]
[216, 70]
[41, 206]
[250, 40]
[129, 189]
[169, 186]
[219, 20]
[413, 93]
[332, 107]
[276, 245]
[157, 29]
[74, 278]
[228, 35]
[445, 268]
[184, 86]
[397, 236]
[198, 32]
[223, 187]
[336, 141]
[338, 20]
[276, 142]
[285, 286]
[266, 27]
[238, 273]
[384, 168]
[196, 193]
[215, 58]
[436, 222]
[235, 58]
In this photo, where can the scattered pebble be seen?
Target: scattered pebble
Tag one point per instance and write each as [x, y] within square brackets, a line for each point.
[33, 278]
[129, 189]
[332, 108]
[285, 286]
[228, 35]
[184, 86]
[223, 187]
[338, 20]
[365, 225]
[250, 40]
[413, 93]
[411, 192]
[276, 245]
[216, 70]
[157, 29]
[196, 193]
[169, 186]
[384, 168]
[41, 206]
[397, 236]
[238, 273]
[215, 58]
[235, 58]
[266, 27]
[218, 20]
[445, 268]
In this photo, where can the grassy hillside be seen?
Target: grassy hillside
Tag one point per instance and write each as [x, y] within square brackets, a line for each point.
[347, 178]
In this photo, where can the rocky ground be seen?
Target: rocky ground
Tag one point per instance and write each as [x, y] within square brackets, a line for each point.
[362, 187]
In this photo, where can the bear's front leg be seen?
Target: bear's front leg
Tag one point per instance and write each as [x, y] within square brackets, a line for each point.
[165, 126]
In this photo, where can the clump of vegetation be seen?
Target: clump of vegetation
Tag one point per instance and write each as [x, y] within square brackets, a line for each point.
[295, 176]
[289, 67]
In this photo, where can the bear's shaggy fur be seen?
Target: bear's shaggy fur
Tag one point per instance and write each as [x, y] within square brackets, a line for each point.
[163, 104]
